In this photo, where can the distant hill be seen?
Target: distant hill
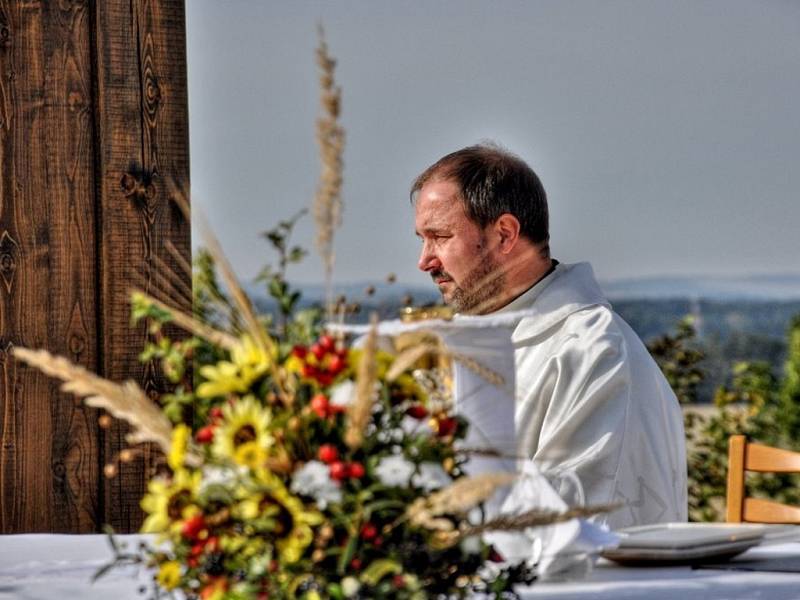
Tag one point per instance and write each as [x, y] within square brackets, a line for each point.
[757, 288]
[748, 287]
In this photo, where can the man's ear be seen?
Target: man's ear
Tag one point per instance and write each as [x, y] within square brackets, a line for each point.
[507, 229]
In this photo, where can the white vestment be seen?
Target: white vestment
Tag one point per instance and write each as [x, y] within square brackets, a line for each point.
[582, 397]
[592, 403]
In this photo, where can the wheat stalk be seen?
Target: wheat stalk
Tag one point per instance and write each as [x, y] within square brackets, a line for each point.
[330, 137]
[192, 325]
[457, 498]
[360, 408]
[408, 357]
[239, 297]
[535, 518]
[125, 401]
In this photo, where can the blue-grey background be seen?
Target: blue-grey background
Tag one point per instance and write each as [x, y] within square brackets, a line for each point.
[666, 133]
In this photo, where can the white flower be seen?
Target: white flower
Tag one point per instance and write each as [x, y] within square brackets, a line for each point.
[350, 586]
[412, 426]
[222, 476]
[471, 544]
[342, 393]
[394, 471]
[313, 479]
[431, 477]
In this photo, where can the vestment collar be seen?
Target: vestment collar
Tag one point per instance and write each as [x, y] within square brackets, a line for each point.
[568, 289]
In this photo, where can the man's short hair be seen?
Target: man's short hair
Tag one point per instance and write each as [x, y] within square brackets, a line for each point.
[492, 182]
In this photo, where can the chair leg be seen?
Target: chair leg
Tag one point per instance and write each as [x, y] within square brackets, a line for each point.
[735, 495]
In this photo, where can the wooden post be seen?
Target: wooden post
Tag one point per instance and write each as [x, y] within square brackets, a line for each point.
[91, 94]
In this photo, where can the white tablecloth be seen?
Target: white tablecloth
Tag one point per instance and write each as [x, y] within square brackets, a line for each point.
[34, 567]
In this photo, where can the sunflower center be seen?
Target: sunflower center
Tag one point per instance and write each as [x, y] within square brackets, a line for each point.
[244, 434]
[177, 502]
[284, 523]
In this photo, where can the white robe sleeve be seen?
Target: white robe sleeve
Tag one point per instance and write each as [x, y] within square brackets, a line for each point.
[591, 408]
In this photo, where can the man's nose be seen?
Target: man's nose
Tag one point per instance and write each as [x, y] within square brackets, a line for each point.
[427, 259]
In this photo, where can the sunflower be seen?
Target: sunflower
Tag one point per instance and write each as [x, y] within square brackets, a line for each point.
[169, 574]
[248, 363]
[167, 502]
[243, 435]
[178, 446]
[282, 516]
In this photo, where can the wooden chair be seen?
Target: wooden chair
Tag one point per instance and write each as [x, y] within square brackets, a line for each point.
[744, 456]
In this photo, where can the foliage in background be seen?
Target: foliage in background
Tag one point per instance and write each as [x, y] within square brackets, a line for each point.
[754, 402]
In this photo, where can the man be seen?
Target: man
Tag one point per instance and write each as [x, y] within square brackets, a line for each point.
[591, 403]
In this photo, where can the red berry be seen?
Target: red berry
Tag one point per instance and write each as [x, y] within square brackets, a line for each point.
[328, 453]
[355, 470]
[193, 526]
[495, 556]
[338, 471]
[368, 531]
[197, 549]
[192, 562]
[327, 343]
[336, 364]
[212, 544]
[205, 435]
[377, 542]
[399, 581]
[355, 564]
[319, 404]
[215, 413]
[325, 379]
[446, 426]
[318, 351]
[335, 409]
[299, 352]
[417, 411]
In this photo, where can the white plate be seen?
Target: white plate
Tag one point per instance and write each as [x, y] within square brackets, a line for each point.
[686, 543]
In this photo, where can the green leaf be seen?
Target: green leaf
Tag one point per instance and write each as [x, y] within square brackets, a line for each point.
[378, 569]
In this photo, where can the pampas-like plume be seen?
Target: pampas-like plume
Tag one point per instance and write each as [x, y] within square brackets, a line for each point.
[125, 401]
[192, 325]
[330, 137]
[360, 409]
[457, 498]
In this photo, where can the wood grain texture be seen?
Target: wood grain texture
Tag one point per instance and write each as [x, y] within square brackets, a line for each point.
[47, 264]
[90, 92]
[141, 79]
[744, 456]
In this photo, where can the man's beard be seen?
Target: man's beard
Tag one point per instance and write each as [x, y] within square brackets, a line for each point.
[476, 294]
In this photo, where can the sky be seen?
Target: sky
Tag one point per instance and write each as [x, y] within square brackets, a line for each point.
[666, 133]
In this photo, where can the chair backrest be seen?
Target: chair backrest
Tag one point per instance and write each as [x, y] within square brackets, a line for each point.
[745, 456]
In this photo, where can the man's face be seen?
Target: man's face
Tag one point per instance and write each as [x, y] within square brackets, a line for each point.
[455, 250]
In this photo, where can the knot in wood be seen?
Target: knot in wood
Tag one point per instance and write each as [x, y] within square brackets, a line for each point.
[7, 263]
[77, 343]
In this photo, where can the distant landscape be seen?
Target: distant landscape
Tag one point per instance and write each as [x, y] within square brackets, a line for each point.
[736, 318]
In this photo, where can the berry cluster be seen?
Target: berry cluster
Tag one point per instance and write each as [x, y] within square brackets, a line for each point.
[323, 361]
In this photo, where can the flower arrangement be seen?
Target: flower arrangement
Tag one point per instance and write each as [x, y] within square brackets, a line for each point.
[312, 469]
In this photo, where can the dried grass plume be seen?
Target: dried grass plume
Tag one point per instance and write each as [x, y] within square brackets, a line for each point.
[330, 137]
[360, 409]
[125, 401]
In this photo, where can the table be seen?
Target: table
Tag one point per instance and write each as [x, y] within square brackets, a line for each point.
[35, 567]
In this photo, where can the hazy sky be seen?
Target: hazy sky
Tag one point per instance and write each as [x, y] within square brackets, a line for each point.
[666, 133]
